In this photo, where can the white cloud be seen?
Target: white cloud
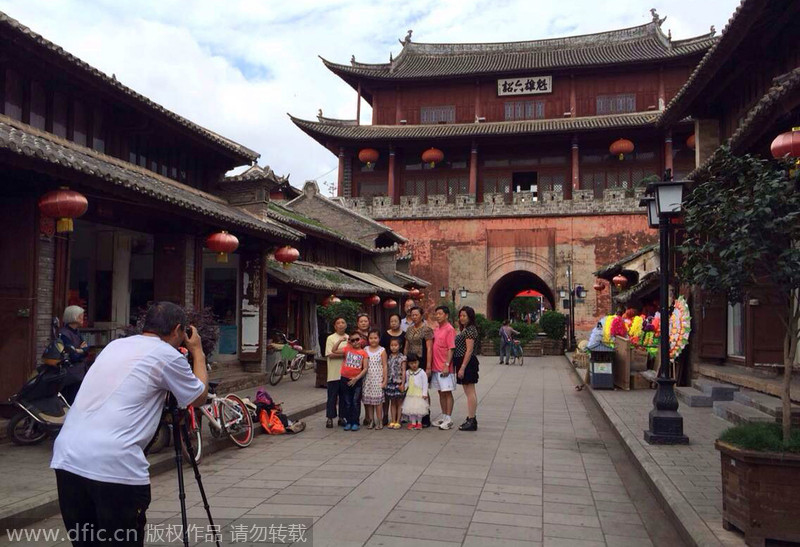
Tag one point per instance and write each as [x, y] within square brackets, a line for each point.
[238, 67]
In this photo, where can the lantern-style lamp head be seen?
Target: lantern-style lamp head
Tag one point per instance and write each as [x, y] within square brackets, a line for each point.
[443, 292]
[562, 293]
[580, 292]
[463, 292]
[669, 197]
[652, 210]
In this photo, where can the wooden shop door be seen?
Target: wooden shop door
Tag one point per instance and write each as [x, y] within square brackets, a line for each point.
[17, 292]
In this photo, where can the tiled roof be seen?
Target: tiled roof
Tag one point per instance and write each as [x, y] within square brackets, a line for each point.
[257, 173]
[408, 279]
[362, 133]
[312, 226]
[609, 271]
[647, 284]
[735, 31]
[22, 140]
[383, 286]
[20, 31]
[630, 45]
[319, 278]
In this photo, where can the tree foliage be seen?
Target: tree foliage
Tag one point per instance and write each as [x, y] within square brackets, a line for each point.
[553, 324]
[742, 228]
[349, 309]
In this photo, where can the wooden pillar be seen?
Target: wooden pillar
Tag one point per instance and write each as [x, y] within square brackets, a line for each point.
[340, 178]
[473, 171]
[398, 115]
[252, 309]
[477, 99]
[662, 97]
[576, 169]
[392, 191]
[573, 103]
[668, 152]
[61, 275]
[358, 106]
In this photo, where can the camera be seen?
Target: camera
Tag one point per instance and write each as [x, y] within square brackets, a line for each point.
[188, 332]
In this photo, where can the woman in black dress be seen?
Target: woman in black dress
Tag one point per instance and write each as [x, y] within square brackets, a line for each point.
[395, 332]
[467, 364]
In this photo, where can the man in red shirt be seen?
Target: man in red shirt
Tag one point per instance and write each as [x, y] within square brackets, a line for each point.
[442, 374]
[354, 368]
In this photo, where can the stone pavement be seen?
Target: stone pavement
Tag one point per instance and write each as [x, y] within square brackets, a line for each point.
[543, 469]
[27, 482]
[687, 477]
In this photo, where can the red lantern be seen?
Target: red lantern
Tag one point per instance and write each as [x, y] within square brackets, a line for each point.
[368, 156]
[432, 156]
[786, 144]
[287, 255]
[332, 299]
[414, 293]
[690, 141]
[390, 304]
[222, 243]
[599, 286]
[373, 300]
[64, 205]
[620, 281]
[620, 147]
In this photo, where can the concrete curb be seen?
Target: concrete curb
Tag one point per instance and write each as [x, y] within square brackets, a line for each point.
[46, 505]
[686, 520]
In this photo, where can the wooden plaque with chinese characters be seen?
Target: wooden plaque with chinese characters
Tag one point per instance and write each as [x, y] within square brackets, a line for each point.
[526, 85]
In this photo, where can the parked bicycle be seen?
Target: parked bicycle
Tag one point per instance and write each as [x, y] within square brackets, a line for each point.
[293, 360]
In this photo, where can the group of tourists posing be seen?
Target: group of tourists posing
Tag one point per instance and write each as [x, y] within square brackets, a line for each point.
[395, 370]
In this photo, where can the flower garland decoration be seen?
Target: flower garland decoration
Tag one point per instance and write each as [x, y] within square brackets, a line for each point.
[636, 329]
[608, 339]
[680, 326]
[618, 327]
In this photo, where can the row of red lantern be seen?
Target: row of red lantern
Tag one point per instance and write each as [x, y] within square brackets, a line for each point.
[620, 147]
[619, 281]
[431, 156]
[373, 301]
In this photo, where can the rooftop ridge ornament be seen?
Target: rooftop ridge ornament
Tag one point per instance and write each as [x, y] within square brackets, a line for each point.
[407, 40]
[352, 59]
[658, 21]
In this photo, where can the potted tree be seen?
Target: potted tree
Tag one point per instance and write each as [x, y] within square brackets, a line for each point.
[742, 224]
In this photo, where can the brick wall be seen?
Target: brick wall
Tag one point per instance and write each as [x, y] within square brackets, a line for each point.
[45, 271]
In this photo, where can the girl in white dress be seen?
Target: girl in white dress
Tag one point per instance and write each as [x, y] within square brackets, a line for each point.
[372, 396]
[415, 405]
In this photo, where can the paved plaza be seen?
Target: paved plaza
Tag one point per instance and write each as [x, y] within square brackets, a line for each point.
[543, 469]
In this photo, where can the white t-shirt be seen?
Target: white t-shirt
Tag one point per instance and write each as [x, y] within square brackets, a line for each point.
[118, 408]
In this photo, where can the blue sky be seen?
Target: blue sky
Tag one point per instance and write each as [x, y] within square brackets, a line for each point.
[237, 67]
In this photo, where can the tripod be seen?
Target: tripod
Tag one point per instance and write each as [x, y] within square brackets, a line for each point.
[180, 434]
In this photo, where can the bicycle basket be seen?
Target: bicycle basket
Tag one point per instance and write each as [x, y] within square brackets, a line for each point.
[288, 352]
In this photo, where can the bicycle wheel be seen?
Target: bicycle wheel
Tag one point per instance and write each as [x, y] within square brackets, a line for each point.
[277, 373]
[234, 409]
[160, 439]
[296, 368]
[195, 435]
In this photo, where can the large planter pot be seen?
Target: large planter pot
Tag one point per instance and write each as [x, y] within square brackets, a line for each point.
[760, 494]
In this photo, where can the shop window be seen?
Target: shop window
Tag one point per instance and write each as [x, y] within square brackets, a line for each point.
[735, 330]
[616, 104]
[437, 114]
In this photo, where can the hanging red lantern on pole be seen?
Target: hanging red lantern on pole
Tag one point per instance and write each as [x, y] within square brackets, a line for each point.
[620, 147]
[369, 156]
[390, 304]
[373, 300]
[286, 255]
[620, 281]
[690, 141]
[222, 243]
[64, 205]
[599, 286]
[432, 156]
[332, 299]
[786, 144]
[414, 293]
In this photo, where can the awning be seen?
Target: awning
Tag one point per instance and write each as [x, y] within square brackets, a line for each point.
[408, 279]
[530, 293]
[380, 284]
[320, 279]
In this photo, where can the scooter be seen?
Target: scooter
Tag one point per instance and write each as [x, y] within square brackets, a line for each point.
[41, 409]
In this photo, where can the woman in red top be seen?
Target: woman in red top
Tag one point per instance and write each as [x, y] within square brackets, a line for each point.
[354, 368]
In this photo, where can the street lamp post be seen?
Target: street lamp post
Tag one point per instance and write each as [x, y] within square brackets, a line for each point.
[570, 288]
[666, 423]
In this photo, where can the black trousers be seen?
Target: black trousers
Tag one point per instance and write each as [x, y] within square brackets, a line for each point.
[102, 513]
[334, 397]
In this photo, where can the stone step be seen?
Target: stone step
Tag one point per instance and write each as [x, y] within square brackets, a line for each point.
[765, 403]
[716, 390]
[693, 397]
[737, 413]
